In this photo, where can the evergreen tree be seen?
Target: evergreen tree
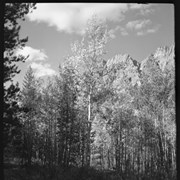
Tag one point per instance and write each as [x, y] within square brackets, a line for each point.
[30, 102]
[13, 12]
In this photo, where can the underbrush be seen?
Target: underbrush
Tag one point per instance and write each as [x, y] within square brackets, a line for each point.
[36, 172]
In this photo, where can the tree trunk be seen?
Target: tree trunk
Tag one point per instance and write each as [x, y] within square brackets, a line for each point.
[89, 131]
[117, 152]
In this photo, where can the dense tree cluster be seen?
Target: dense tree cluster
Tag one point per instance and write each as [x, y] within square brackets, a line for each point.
[106, 113]
[13, 12]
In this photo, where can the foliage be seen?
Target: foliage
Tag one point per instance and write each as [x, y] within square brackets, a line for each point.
[11, 125]
[13, 12]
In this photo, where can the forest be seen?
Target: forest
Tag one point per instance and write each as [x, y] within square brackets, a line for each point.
[104, 119]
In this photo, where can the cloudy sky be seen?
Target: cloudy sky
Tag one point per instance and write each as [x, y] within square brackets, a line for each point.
[137, 29]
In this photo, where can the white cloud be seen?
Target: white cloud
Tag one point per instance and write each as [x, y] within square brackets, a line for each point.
[138, 24]
[34, 54]
[118, 28]
[148, 31]
[123, 31]
[142, 27]
[145, 12]
[72, 17]
[144, 9]
[139, 6]
[141, 33]
[42, 69]
[113, 31]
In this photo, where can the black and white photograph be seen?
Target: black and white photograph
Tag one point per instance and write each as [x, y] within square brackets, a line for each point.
[89, 91]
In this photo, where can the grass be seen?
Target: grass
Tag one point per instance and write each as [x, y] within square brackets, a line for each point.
[12, 172]
[36, 172]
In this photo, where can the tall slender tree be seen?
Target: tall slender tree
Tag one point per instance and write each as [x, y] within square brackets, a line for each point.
[29, 99]
[91, 66]
[12, 13]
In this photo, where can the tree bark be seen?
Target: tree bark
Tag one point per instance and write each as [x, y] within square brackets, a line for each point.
[89, 131]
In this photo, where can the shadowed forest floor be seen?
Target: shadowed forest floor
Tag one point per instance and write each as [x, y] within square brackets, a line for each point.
[36, 172]
[14, 172]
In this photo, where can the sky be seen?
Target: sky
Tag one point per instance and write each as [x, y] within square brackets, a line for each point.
[137, 30]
